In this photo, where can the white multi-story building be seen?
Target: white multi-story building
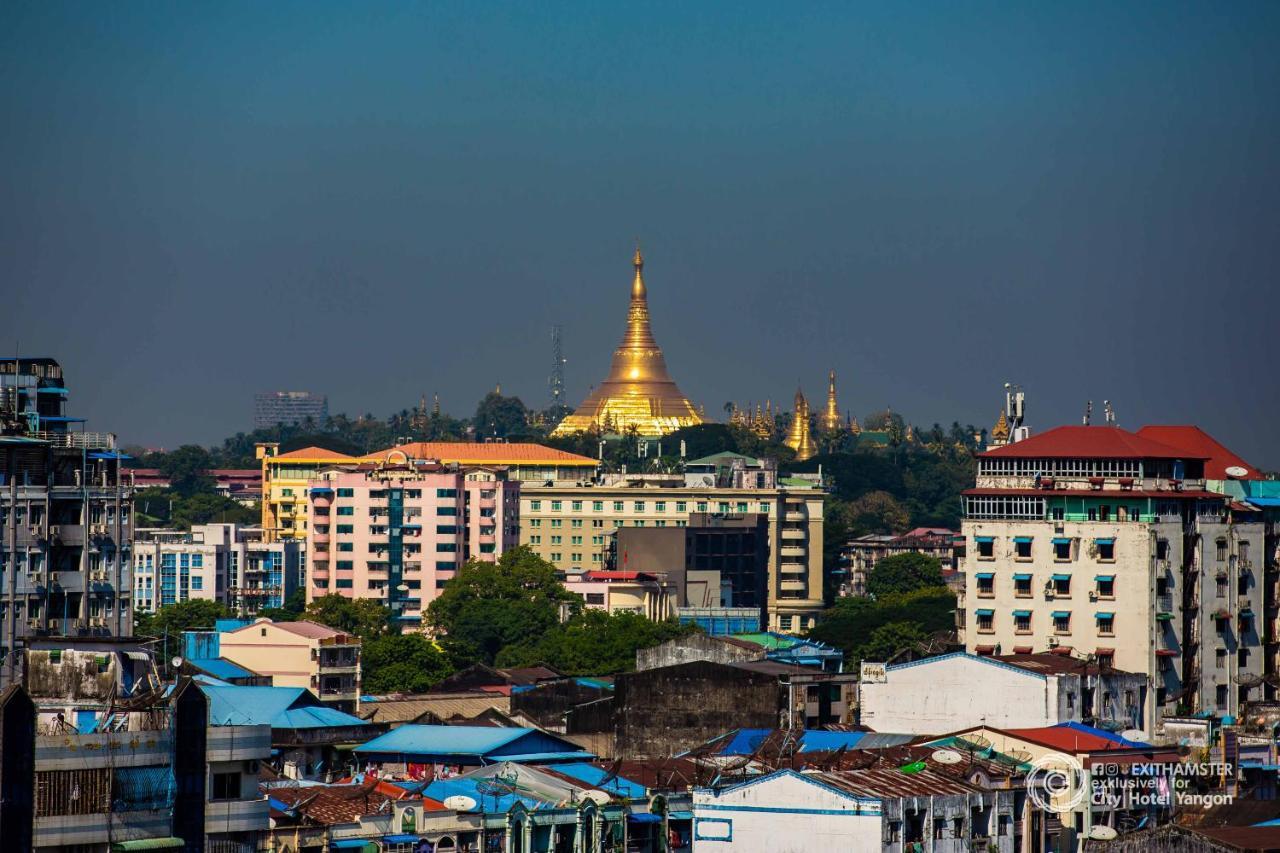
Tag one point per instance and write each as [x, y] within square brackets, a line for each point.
[1096, 542]
[569, 523]
[216, 562]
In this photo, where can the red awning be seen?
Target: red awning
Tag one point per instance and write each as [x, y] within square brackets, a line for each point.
[1166, 653]
[1100, 652]
[1022, 650]
[985, 650]
[1061, 650]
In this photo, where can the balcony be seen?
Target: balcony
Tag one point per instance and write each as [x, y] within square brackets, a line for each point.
[792, 533]
[793, 569]
[789, 585]
[792, 551]
[793, 515]
[114, 749]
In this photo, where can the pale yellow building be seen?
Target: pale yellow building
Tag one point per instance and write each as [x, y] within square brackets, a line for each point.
[299, 654]
[568, 524]
[285, 478]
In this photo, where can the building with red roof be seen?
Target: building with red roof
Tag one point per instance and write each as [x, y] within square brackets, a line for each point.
[1118, 547]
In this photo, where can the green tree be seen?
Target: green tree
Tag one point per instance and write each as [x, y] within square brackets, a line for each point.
[365, 617]
[878, 512]
[294, 606]
[187, 469]
[488, 606]
[904, 573]
[594, 643]
[890, 639]
[851, 622]
[173, 619]
[402, 663]
[500, 416]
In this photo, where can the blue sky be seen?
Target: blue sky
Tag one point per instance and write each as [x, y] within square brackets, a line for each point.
[377, 201]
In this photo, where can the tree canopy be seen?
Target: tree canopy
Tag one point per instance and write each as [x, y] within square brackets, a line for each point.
[364, 617]
[904, 573]
[594, 643]
[173, 619]
[402, 663]
[500, 416]
[851, 624]
[488, 606]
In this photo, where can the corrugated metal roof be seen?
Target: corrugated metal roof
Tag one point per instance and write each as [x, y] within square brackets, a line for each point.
[443, 706]
[1218, 458]
[1091, 442]
[278, 707]
[477, 741]
[482, 453]
[891, 783]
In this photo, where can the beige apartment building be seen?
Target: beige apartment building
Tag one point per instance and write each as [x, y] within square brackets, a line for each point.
[1099, 543]
[299, 654]
[568, 524]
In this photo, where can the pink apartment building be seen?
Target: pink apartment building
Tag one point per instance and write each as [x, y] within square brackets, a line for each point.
[399, 533]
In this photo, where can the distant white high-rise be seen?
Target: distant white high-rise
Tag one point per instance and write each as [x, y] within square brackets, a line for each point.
[272, 408]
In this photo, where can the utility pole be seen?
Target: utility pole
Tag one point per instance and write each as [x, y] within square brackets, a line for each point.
[555, 382]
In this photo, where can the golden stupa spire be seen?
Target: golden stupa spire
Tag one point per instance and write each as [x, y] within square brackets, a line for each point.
[1000, 432]
[798, 435]
[853, 425]
[435, 405]
[638, 391]
[831, 415]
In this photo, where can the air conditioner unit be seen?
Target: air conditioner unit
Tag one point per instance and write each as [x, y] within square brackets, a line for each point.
[1093, 596]
[251, 766]
[1053, 642]
[33, 624]
[34, 532]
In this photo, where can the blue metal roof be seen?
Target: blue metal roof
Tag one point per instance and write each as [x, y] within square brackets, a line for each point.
[1081, 727]
[440, 789]
[591, 776]
[414, 742]
[278, 707]
[745, 741]
[221, 668]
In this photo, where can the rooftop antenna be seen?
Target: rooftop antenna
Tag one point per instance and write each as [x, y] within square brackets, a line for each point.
[1110, 413]
[1088, 412]
[555, 382]
[1014, 406]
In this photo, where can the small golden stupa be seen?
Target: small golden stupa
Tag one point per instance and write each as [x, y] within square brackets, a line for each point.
[798, 435]
[830, 420]
[638, 391]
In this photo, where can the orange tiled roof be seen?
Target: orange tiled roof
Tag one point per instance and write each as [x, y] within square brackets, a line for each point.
[312, 453]
[485, 453]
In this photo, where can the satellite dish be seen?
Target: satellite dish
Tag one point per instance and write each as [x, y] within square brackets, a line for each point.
[1133, 734]
[176, 662]
[947, 756]
[1021, 756]
[600, 798]
[1237, 472]
[1101, 832]
[459, 803]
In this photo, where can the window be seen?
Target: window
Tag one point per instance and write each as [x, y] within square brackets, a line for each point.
[595, 598]
[617, 506]
[1062, 584]
[346, 493]
[597, 522]
[986, 621]
[986, 585]
[1106, 587]
[659, 506]
[577, 522]
[557, 523]
[639, 522]
[682, 506]
[702, 506]
[344, 564]
[446, 547]
[226, 786]
[1093, 513]
[597, 506]
[639, 506]
[764, 507]
[535, 506]
[1222, 549]
[1162, 549]
[556, 540]
[1061, 622]
[1022, 548]
[447, 529]
[1022, 621]
[785, 622]
[575, 558]
[577, 506]
[1220, 695]
[346, 510]
[724, 506]
[1062, 550]
[575, 540]
[346, 546]
[742, 506]
[939, 827]
[535, 522]
[1058, 513]
[555, 506]
[1243, 657]
[1106, 625]
[343, 583]
[555, 556]
[446, 566]
[1022, 586]
[986, 548]
[446, 493]
[1106, 550]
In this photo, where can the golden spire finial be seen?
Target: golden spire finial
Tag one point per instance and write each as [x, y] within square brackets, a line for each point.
[798, 435]
[831, 415]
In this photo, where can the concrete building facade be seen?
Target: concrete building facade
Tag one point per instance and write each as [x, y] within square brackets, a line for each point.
[569, 525]
[1094, 541]
[215, 562]
[299, 654]
[399, 534]
[290, 408]
[66, 520]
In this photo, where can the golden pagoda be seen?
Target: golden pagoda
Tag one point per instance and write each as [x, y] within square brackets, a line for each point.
[638, 391]
[1000, 432]
[798, 435]
[853, 425]
[830, 420]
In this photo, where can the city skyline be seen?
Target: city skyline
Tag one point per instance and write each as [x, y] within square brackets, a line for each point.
[931, 203]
